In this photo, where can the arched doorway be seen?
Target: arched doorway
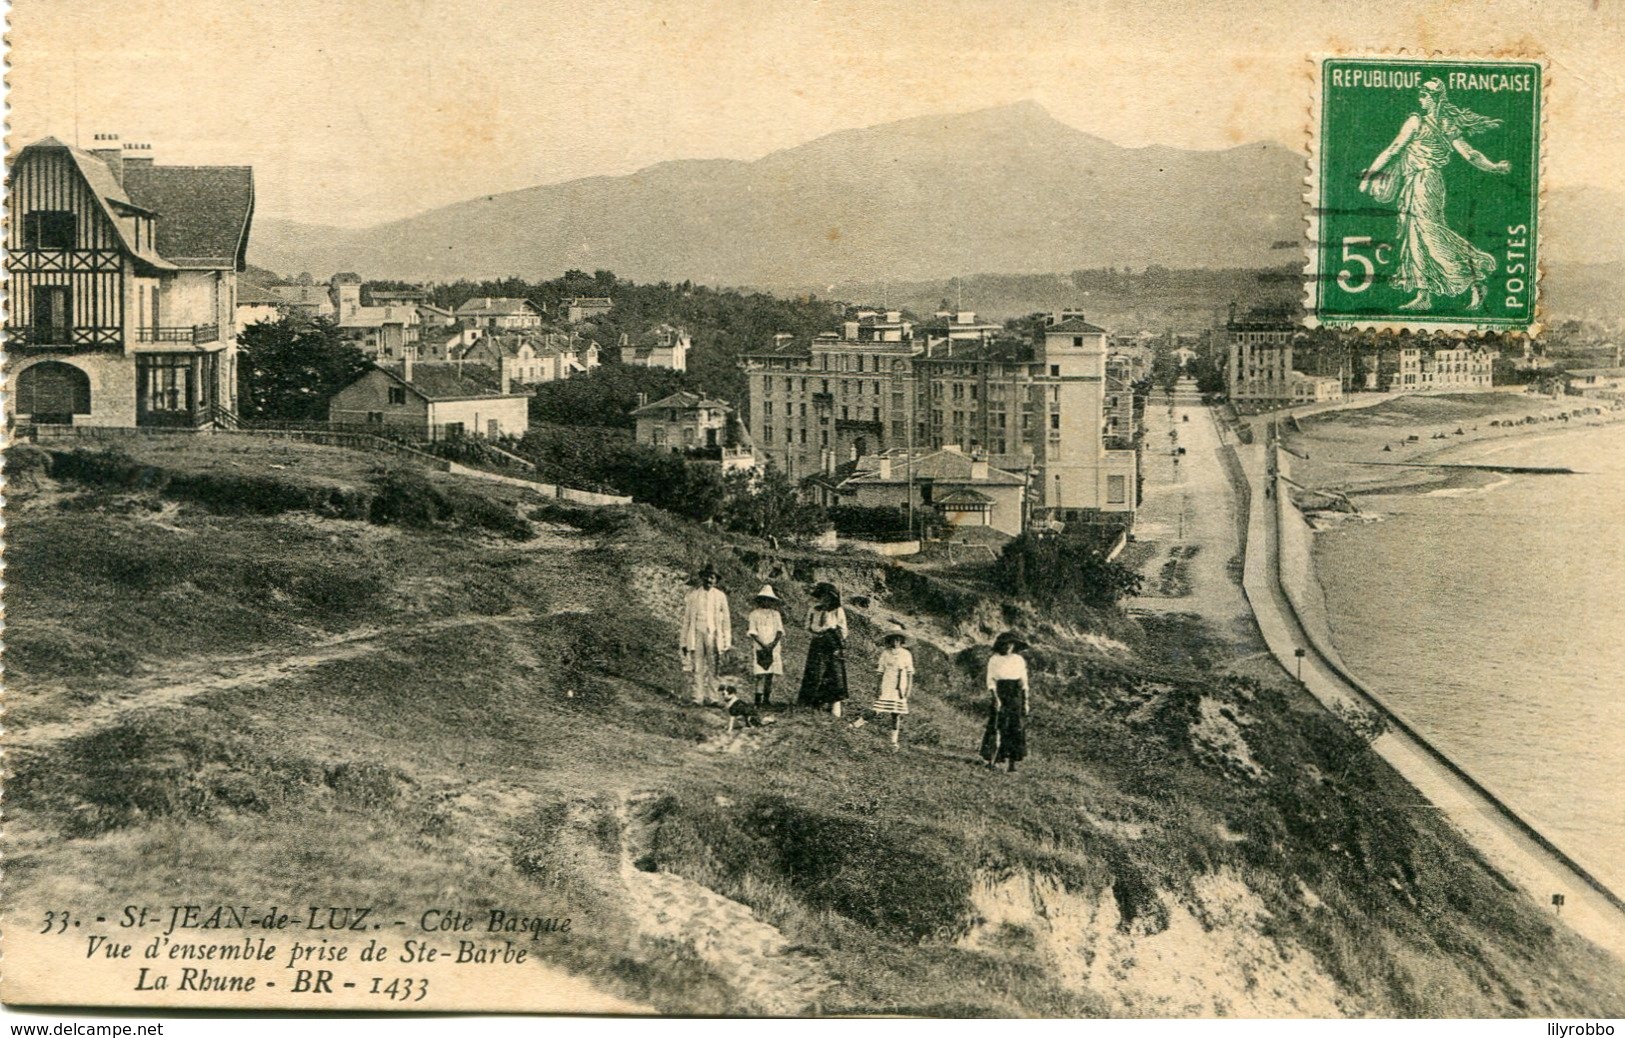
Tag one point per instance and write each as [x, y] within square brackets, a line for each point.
[52, 392]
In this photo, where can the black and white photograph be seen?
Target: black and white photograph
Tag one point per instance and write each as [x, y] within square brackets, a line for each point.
[944, 509]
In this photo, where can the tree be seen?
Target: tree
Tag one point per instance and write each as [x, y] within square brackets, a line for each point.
[767, 505]
[605, 396]
[1060, 570]
[291, 367]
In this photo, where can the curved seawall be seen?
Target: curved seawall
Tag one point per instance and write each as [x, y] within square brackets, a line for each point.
[1278, 569]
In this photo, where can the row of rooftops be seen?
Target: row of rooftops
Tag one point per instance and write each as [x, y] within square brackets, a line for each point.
[955, 336]
[200, 214]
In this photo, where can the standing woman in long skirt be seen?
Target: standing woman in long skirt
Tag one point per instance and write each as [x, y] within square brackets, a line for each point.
[823, 683]
[1005, 740]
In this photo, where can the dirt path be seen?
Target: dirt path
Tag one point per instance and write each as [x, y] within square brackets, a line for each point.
[192, 678]
[766, 973]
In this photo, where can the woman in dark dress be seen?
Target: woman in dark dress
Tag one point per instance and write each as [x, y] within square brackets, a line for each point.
[823, 683]
[1005, 740]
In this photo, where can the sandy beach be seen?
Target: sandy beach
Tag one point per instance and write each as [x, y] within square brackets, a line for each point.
[1351, 451]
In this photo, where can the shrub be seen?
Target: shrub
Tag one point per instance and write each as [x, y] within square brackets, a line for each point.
[871, 524]
[1067, 569]
[409, 499]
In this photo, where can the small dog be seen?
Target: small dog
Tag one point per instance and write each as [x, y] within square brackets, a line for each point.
[739, 712]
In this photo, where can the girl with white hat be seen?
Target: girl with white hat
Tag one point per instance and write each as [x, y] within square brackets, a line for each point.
[766, 634]
[896, 667]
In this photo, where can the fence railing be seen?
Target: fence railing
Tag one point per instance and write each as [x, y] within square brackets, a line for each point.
[193, 334]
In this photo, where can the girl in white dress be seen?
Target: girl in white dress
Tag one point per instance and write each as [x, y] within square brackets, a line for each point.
[896, 667]
[766, 633]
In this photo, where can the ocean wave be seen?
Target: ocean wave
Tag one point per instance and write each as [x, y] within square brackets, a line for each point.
[1500, 482]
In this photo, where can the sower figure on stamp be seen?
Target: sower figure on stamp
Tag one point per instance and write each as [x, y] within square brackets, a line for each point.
[823, 683]
[1005, 739]
[1433, 259]
[707, 634]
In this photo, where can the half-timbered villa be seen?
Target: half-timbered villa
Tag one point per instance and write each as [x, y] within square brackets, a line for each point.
[123, 280]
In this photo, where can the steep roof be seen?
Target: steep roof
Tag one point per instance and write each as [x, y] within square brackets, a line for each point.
[203, 211]
[1075, 325]
[785, 348]
[448, 382]
[1003, 350]
[499, 306]
[681, 401]
[109, 194]
[943, 466]
[252, 293]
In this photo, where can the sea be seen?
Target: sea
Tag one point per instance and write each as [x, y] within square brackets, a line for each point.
[1492, 616]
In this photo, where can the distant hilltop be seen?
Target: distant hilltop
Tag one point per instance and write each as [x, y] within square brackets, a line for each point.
[1005, 190]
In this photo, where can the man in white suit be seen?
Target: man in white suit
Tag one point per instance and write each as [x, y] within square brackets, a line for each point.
[707, 634]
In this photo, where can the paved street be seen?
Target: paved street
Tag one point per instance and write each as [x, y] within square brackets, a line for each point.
[1189, 515]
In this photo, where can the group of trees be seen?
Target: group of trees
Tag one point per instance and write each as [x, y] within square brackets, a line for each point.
[721, 322]
[760, 504]
[604, 397]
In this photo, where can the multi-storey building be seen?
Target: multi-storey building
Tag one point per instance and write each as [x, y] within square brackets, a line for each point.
[122, 278]
[1271, 363]
[698, 426]
[1466, 370]
[1259, 365]
[583, 308]
[385, 330]
[500, 313]
[660, 347]
[1033, 405]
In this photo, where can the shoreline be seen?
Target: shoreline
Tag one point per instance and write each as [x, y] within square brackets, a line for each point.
[1324, 621]
[1339, 442]
[1491, 823]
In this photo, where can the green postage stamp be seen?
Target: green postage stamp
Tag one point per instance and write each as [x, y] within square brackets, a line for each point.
[1425, 193]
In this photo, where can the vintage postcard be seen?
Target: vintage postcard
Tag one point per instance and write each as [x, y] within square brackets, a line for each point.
[815, 509]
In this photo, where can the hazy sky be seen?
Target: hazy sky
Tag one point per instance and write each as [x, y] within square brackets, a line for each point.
[362, 111]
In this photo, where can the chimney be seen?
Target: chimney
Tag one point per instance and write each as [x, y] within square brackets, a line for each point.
[406, 366]
[643, 399]
[978, 469]
[885, 468]
[110, 152]
[137, 155]
[507, 379]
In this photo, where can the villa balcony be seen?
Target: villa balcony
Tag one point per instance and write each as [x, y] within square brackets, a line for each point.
[183, 334]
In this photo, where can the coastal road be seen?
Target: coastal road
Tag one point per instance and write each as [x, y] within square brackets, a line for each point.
[1483, 820]
[1190, 514]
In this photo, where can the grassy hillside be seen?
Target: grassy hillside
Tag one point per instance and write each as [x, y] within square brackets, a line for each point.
[299, 692]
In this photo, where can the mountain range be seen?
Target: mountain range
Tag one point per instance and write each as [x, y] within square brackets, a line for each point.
[1007, 189]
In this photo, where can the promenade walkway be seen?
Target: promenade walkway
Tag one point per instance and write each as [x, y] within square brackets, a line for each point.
[1506, 842]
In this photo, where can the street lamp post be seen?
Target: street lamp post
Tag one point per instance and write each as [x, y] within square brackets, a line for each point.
[1300, 654]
